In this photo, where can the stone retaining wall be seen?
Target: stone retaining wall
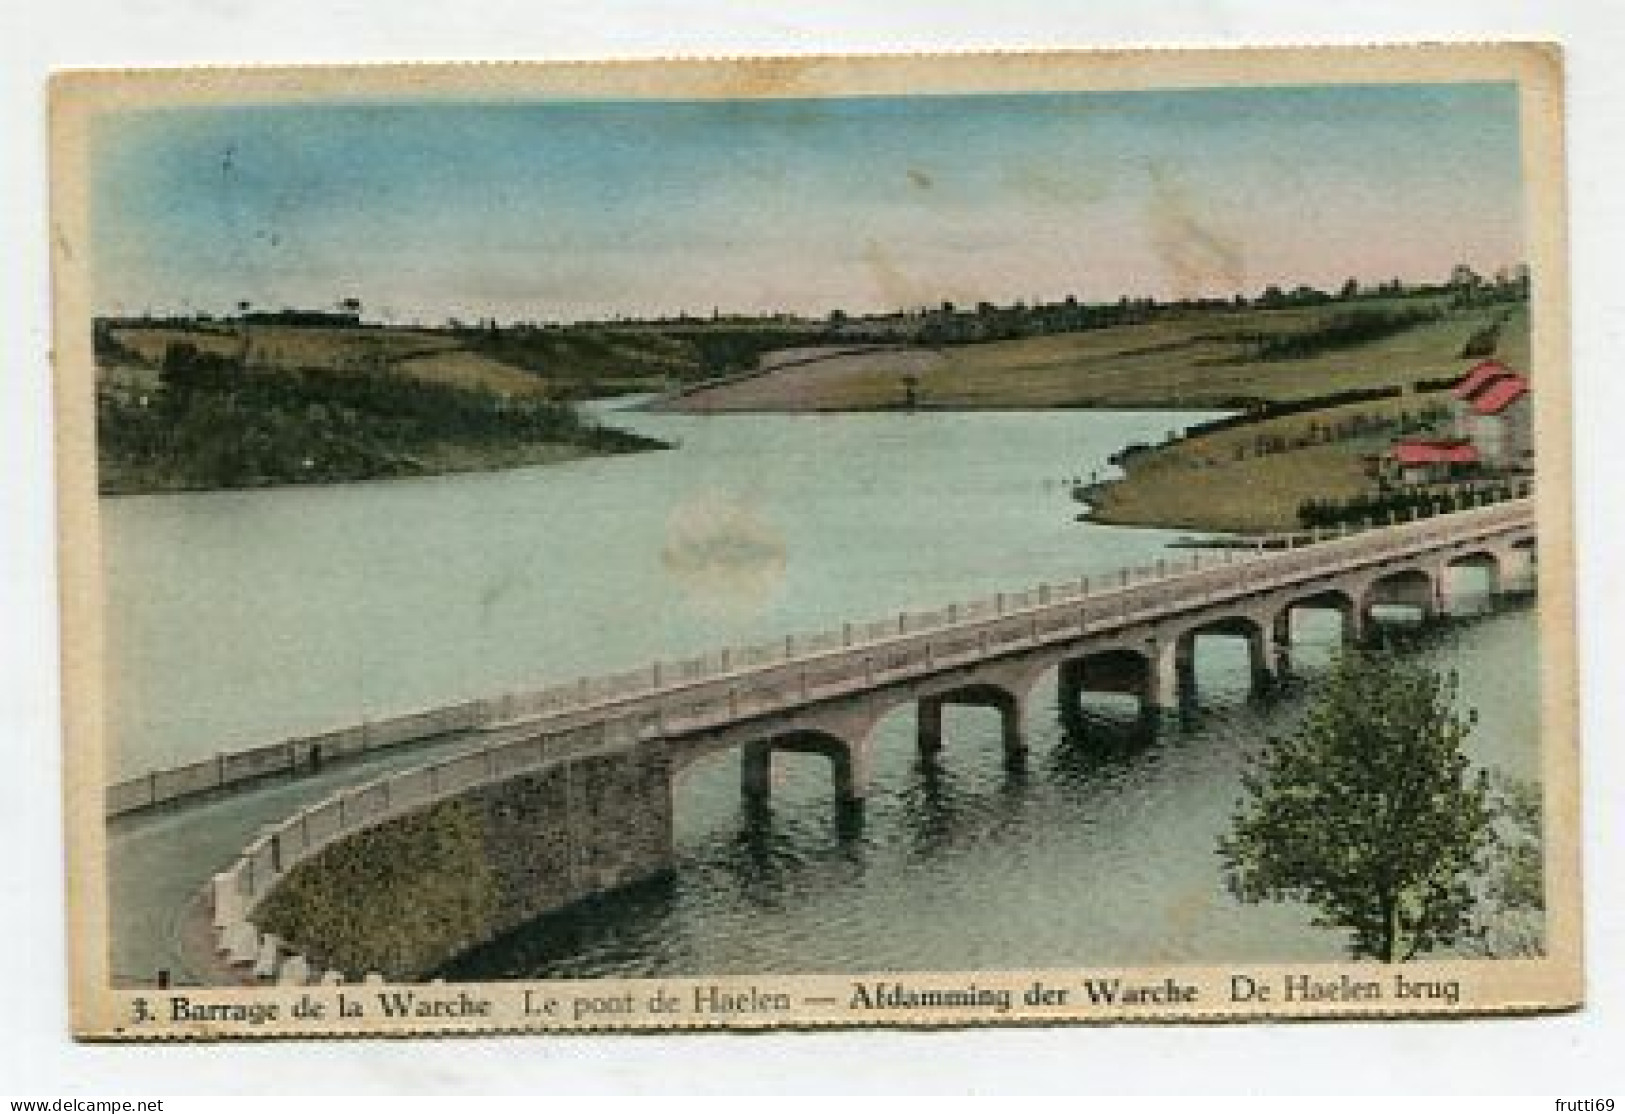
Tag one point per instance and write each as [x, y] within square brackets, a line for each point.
[401, 874]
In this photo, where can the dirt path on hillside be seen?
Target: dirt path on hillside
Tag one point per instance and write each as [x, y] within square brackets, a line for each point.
[848, 379]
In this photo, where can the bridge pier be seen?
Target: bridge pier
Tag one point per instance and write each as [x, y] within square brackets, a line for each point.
[1069, 691]
[1517, 569]
[1281, 629]
[1355, 620]
[1170, 682]
[1263, 650]
[1281, 636]
[930, 726]
[756, 772]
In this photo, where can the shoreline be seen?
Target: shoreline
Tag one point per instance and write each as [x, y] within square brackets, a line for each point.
[536, 456]
[544, 455]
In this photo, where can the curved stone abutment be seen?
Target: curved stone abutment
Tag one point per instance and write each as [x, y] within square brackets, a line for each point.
[405, 895]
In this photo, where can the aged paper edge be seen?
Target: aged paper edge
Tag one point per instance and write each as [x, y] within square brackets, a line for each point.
[1550, 984]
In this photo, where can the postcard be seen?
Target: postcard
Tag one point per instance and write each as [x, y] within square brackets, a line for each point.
[816, 542]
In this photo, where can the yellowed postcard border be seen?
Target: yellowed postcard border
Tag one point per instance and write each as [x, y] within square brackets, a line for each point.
[1171, 993]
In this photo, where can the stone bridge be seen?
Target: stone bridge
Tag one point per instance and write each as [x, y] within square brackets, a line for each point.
[570, 793]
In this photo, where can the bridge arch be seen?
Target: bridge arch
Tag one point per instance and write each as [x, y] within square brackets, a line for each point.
[1492, 563]
[1414, 587]
[849, 762]
[1340, 600]
[1121, 670]
[1006, 700]
[1258, 634]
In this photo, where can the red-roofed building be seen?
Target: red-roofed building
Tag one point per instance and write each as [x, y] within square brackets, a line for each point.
[1497, 396]
[1493, 411]
[1435, 452]
[1480, 376]
[1423, 462]
[1499, 419]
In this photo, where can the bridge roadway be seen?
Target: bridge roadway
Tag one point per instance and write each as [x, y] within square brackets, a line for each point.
[159, 859]
[1134, 633]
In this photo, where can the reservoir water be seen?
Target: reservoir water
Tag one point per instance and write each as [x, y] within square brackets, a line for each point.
[241, 617]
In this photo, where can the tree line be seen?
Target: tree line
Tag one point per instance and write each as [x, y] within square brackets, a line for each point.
[1336, 332]
[211, 422]
[1399, 504]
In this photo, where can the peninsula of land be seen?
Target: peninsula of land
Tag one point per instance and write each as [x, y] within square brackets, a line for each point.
[1316, 386]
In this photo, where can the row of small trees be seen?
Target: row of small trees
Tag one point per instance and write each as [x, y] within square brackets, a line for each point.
[950, 323]
[1399, 504]
[1337, 331]
[1350, 428]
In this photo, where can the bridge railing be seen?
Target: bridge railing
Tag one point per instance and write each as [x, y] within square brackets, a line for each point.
[817, 665]
[303, 753]
[1122, 592]
[714, 690]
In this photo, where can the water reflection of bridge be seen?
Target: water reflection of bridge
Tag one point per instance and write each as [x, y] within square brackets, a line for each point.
[573, 785]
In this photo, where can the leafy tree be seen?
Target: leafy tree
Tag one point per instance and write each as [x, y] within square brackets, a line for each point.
[1512, 901]
[1369, 812]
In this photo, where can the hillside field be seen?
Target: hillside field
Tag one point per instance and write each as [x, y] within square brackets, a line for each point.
[1195, 361]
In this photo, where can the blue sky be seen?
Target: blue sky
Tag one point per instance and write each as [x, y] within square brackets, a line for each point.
[567, 209]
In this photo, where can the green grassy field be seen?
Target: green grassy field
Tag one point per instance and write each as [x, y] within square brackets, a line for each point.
[1194, 361]
[1213, 481]
[1219, 481]
[556, 365]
